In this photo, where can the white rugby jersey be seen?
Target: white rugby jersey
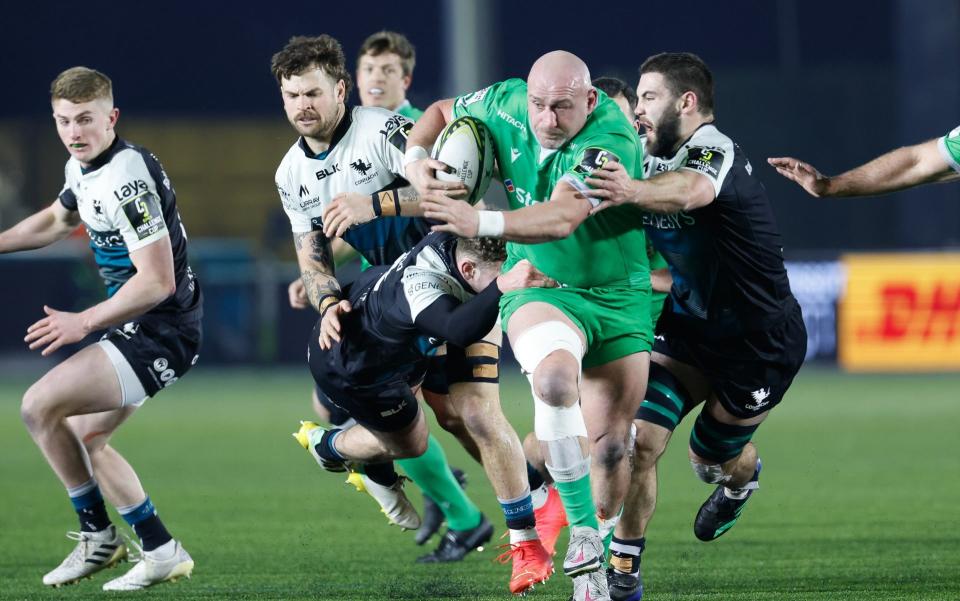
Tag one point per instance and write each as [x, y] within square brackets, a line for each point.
[126, 201]
[365, 156]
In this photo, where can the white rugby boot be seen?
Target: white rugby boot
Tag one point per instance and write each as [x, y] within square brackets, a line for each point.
[584, 551]
[167, 563]
[392, 500]
[95, 551]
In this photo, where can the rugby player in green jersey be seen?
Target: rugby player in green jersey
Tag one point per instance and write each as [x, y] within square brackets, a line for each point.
[550, 132]
[933, 161]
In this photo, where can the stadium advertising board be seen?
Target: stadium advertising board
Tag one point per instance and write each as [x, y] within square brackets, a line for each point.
[900, 312]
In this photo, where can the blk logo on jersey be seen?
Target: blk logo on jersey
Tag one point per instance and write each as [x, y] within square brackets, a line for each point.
[304, 191]
[97, 207]
[328, 171]
[361, 167]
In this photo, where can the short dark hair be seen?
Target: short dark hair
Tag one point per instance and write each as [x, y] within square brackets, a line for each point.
[484, 250]
[81, 84]
[684, 72]
[390, 42]
[614, 86]
[303, 53]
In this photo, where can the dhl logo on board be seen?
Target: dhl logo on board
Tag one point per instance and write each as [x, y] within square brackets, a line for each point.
[900, 312]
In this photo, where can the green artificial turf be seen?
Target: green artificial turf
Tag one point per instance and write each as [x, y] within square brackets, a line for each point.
[858, 500]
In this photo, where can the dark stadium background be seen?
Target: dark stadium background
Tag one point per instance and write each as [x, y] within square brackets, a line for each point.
[833, 82]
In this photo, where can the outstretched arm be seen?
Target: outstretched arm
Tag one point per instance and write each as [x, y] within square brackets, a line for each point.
[896, 170]
[40, 229]
[153, 282]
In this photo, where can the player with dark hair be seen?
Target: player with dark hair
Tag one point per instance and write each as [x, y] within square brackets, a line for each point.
[371, 141]
[731, 334]
[151, 316]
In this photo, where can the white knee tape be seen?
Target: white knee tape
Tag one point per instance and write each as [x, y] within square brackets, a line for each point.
[555, 423]
[540, 340]
[711, 474]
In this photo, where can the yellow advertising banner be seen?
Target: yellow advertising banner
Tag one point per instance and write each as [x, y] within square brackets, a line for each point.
[900, 312]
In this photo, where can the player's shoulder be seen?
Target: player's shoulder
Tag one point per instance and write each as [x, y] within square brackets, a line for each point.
[708, 135]
[293, 155]
[379, 119]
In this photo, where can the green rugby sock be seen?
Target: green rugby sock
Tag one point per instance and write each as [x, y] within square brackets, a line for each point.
[432, 474]
[578, 501]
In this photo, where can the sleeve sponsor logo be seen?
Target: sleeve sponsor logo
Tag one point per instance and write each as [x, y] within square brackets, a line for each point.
[130, 189]
[399, 136]
[472, 98]
[145, 216]
[394, 123]
[594, 158]
[705, 160]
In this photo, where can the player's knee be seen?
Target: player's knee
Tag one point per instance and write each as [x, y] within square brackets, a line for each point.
[550, 354]
[647, 448]
[555, 381]
[480, 421]
[34, 410]
[609, 451]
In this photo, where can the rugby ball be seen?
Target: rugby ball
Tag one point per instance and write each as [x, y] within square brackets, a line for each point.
[467, 146]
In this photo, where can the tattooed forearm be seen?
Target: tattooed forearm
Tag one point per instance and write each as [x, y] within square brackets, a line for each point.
[408, 195]
[318, 285]
[316, 266]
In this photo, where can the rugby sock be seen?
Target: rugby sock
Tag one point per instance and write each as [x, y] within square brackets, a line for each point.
[382, 473]
[539, 496]
[625, 554]
[518, 512]
[88, 503]
[573, 484]
[325, 447]
[144, 520]
[432, 474]
[534, 477]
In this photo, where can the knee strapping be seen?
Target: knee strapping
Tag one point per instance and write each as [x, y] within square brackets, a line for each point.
[557, 423]
[540, 340]
[709, 473]
[717, 441]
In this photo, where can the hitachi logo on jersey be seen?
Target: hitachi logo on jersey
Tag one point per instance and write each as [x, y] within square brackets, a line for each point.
[137, 186]
[328, 171]
[512, 121]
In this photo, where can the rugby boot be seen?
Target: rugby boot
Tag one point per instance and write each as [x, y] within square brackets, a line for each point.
[455, 544]
[309, 436]
[720, 512]
[624, 587]
[591, 586]
[167, 563]
[584, 552]
[95, 551]
[392, 500]
[551, 520]
[532, 565]
[432, 516]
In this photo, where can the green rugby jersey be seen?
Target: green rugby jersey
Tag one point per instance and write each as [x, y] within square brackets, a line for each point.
[408, 110]
[950, 148]
[607, 248]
